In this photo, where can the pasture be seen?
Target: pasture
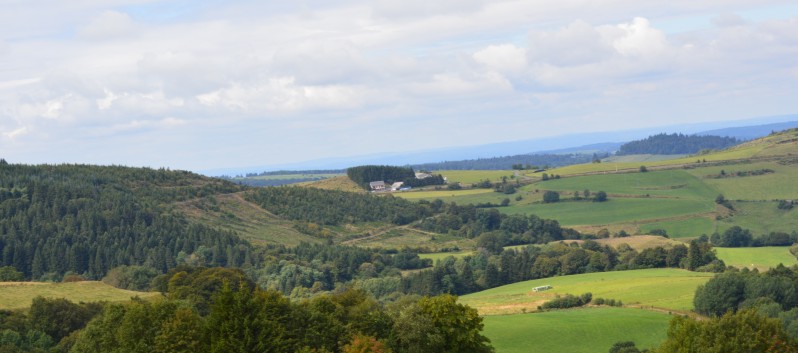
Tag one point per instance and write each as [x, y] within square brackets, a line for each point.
[684, 228]
[615, 210]
[761, 218]
[19, 295]
[469, 177]
[667, 289]
[666, 183]
[761, 258]
[448, 195]
[589, 330]
[774, 186]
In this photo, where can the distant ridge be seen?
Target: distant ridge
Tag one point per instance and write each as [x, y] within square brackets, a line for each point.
[750, 132]
[753, 128]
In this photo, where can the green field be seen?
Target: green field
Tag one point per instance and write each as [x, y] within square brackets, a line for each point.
[762, 258]
[761, 218]
[669, 289]
[586, 330]
[615, 210]
[444, 194]
[775, 186]
[469, 177]
[687, 228]
[19, 295]
[667, 183]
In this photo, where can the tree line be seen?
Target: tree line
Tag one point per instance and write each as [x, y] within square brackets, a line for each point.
[676, 144]
[220, 310]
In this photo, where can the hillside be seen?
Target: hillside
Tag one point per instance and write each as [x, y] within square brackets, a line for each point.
[675, 195]
[676, 144]
[89, 219]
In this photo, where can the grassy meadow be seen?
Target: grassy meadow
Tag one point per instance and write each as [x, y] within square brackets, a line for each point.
[615, 210]
[587, 330]
[469, 177]
[761, 258]
[667, 289]
[683, 228]
[19, 295]
[761, 218]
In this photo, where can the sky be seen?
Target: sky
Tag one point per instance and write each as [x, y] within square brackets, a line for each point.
[202, 85]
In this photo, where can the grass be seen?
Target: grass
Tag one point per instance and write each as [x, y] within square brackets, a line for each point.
[616, 210]
[399, 238]
[762, 258]
[342, 183]
[444, 194]
[667, 183]
[442, 255]
[469, 177]
[233, 212]
[575, 331]
[637, 242]
[670, 289]
[686, 228]
[774, 186]
[19, 295]
[761, 218]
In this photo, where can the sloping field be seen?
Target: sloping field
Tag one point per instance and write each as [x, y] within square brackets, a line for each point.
[19, 295]
[761, 218]
[761, 258]
[615, 210]
[778, 185]
[474, 176]
[401, 237]
[780, 144]
[342, 183]
[233, 212]
[587, 330]
[669, 289]
[444, 194]
[683, 228]
[667, 183]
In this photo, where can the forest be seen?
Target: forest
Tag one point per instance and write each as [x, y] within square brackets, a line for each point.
[676, 144]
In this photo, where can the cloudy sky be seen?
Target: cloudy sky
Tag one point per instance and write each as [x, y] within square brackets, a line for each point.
[216, 84]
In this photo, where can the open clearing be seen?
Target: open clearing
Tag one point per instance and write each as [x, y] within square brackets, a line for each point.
[761, 258]
[669, 289]
[401, 237]
[587, 330]
[19, 295]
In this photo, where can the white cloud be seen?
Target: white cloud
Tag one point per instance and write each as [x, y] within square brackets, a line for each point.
[109, 25]
[505, 58]
[117, 68]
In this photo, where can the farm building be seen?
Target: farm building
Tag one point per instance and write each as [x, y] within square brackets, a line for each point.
[541, 288]
[397, 185]
[423, 175]
[377, 185]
